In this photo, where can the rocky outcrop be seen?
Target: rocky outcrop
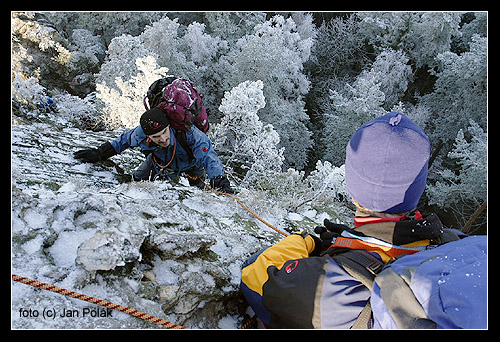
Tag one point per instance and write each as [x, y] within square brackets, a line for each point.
[166, 249]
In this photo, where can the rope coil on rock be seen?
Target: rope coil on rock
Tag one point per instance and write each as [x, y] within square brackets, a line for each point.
[101, 302]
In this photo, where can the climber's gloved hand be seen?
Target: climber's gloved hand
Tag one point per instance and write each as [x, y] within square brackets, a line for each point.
[93, 155]
[325, 236]
[332, 230]
[221, 183]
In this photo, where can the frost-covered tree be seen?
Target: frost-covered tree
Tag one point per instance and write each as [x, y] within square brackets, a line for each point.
[251, 146]
[470, 154]
[231, 26]
[382, 86]
[122, 53]
[338, 53]
[206, 52]
[477, 25]
[275, 53]
[464, 190]
[124, 102]
[189, 53]
[108, 25]
[421, 35]
[347, 111]
[393, 72]
[460, 91]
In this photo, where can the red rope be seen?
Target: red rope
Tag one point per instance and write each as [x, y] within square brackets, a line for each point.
[101, 302]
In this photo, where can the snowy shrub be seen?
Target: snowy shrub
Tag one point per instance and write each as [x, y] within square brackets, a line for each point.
[323, 188]
[251, 146]
[328, 181]
[124, 107]
[81, 112]
[27, 91]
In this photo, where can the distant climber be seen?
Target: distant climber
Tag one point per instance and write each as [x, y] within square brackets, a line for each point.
[165, 155]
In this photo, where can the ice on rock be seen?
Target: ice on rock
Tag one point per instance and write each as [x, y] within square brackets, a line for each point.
[151, 246]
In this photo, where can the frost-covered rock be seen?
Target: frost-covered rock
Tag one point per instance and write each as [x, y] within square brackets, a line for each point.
[164, 248]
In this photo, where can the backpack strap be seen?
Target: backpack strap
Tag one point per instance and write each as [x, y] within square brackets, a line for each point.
[364, 320]
[180, 136]
[363, 266]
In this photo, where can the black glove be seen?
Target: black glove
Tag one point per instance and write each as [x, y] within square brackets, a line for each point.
[222, 184]
[332, 230]
[93, 155]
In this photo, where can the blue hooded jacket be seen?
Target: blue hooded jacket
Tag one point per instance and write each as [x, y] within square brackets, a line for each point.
[200, 144]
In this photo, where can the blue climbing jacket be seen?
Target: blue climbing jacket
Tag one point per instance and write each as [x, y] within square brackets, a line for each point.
[449, 282]
[199, 143]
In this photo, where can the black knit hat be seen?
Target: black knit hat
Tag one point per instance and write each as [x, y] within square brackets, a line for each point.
[154, 121]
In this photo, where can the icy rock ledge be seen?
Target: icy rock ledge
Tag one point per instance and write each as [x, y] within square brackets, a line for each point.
[169, 250]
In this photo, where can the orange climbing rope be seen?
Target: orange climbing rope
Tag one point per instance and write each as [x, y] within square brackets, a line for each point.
[244, 206]
[101, 302]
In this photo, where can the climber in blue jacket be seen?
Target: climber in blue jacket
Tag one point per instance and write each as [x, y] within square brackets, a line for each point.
[168, 152]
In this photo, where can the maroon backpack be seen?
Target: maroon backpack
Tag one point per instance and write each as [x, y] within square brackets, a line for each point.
[181, 102]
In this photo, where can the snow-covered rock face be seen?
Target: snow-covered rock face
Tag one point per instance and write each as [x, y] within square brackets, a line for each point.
[166, 249]
[170, 250]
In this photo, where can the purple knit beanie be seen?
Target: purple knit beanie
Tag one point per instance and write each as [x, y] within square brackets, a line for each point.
[386, 164]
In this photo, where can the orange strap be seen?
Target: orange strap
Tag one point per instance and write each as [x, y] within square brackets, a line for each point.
[391, 250]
